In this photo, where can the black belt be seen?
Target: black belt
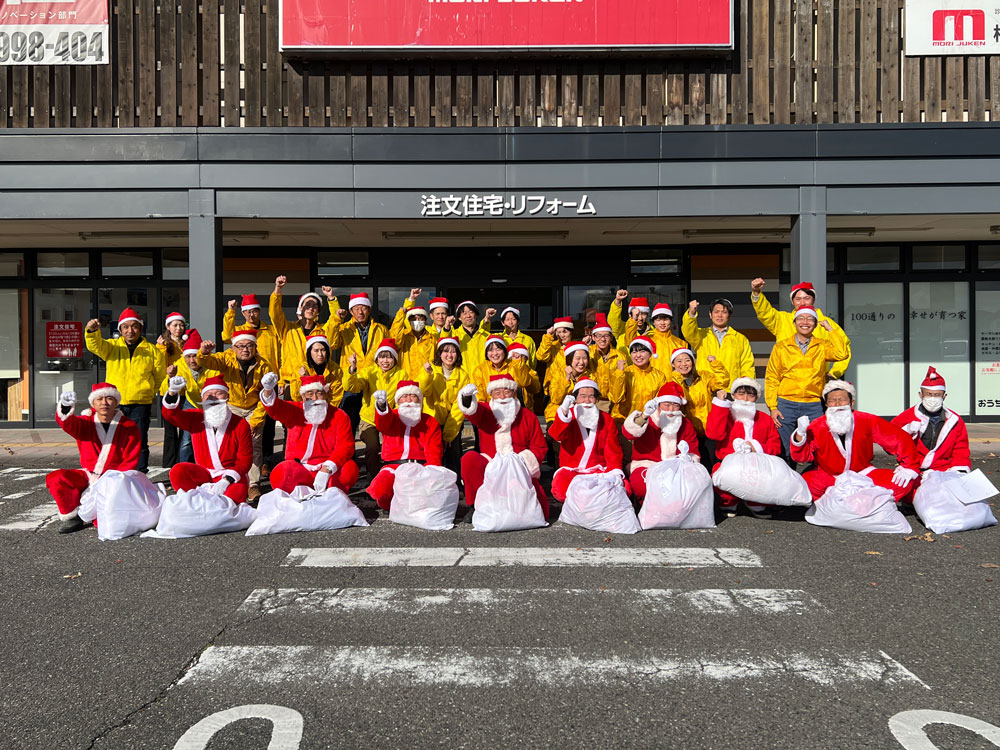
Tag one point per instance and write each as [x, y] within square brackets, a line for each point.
[404, 461]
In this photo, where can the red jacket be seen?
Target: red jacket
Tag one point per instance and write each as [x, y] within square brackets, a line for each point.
[231, 451]
[311, 445]
[123, 452]
[952, 449]
[821, 446]
[723, 429]
[649, 447]
[422, 442]
[600, 447]
[523, 436]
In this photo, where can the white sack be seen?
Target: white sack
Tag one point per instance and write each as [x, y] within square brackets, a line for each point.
[947, 501]
[123, 503]
[855, 503]
[678, 495]
[304, 509]
[760, 478]
[507, 499]
[425, 497]
[599, 502]
[198, 512]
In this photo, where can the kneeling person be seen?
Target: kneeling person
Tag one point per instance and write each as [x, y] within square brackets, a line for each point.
[939, 434]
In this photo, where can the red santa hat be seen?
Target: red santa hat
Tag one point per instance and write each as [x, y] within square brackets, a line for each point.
[129, 315]
[437, 302]
[174, 316]
[670, 393]
[744, 383]
[245, 336]
[464, 303]
[806, 287]
[192, 341]
[317, 337]
[586, 383]
[216, 383]
[563, 323]
[359, 299]
[679, 351]
[517, 313]
[840, 385]
[408, 388]
[638, 303]
[312, 383]
[388, 345]
[601, 324]
[416, 310]
[500, 381]
[662, 309]
[575, 346]
[448, 340]
[933, 380]
[306, 297]
[517, 349]
[495, 339]
[806, 310]
[646, 343]
[250, 302]
[104, 389]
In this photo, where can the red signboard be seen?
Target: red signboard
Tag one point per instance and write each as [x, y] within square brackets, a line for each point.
[478, 25]
[63, 340]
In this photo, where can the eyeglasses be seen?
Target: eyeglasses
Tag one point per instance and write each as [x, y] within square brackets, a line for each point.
[244, 347]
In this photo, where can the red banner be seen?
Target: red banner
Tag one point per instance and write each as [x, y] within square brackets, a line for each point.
[505, 24]
[63, 340]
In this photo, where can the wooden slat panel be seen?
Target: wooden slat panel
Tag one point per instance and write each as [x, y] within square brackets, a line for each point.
[275, 70]
[40, 97]
[548, 96]
[19, 96]
[570, 99]
[380, 95]
[231, 55]
[401, 97]
[442, 98]
[955, 88]
[125, 64]
[761, 62]
[612, 113]
[359, 95]
[167, 51]
[846, 109]
[62, 104]
[189, 62]
[632, 114]
[782, 95]
[421, 95]
[527, 82]
[932, 89]
[506, 96]
[338, 94]
[696, 95]
[486, 99]
[252, 45]
[718, 86]
[824, 62]
[591, 95]
[145, 22]
[463, 101]
[665, 91]
[869, 61]
[4, 96]
[211, 80]
[890, 61]
[83, 93]
[317, 94]
[104, 95]
[912, 91]
[994, 88]
[295, 84]
[803, 57]
[741, 72]
[977, 88]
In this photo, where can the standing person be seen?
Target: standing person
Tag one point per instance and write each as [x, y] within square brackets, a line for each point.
[107, 441]
[472, 334]
[135, 366]
[939, 434]
[171, 346]
[719, 340]
[781, 324]
[415, 343]
[319, 364]
[843, 440]
[605, 352]
[293, 335]
[633, 385]
[699, 388]
[438, 309]
[359, 336]
[518, 351]
[497, 362]
[440, 383]
[510, 318]
[579, 366]
[638, 317]
[662, 319]
[242, 368]
[195, 377]
[384, 375]
[796, 372]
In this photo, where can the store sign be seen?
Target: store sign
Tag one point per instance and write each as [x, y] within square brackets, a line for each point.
[537, 25]
[60, 32]
[951, 27]
[473, 204]
[63, 340]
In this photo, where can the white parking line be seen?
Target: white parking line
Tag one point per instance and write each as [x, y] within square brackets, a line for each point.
[31, 519]
[30, 476]
[355, 557]
[308, 666]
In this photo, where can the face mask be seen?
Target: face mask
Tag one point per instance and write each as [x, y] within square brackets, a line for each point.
[933, 404]
[840, 419]
[417, 325]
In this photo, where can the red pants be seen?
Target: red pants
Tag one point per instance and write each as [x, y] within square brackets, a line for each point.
[66, 486]
[638, 481]
[564, 476]
[818, 481]
[473, 469]
[188, 476]
[380, 489]
[288, 475]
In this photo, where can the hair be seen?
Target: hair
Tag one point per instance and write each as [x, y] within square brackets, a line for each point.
[437, 356]
[824, 398]
[309, 353]
[724, 302]
[460, 308]
[745, 389]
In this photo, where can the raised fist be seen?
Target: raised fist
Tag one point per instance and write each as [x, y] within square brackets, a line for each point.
[650, 408]
[567, 404]
[757, 285]
[693, 308]
[490, 312]
[171, 370]
[710, 357]
[620, 365]
[428, 368]
[176, 384]
[160, 341]
[468, 394]
[550, 331]
[588, 339]
[67, 398]
[280, 281]
[449, 322]
[343, 314]
[381, 399]
[802, 424]
[93, 324]
[414, 293]
[232, 305]
[328, 291]
[207, 346]
[620, 296]
[352, 363]
[826, 324]
[268, 382]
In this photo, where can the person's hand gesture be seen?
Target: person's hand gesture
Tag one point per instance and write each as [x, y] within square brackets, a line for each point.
[279, 282]
[693, 308]
[160, 341]
[757, 285]
[343, 314]
[414, 293]
[428, 368]
[352, 363]
[93, 324]
[490, 312]
[232, 305]
[620, 364]
[550, 330]
[328, 291]
[825, 324]
[171, 370]
[620, 296]
[302, 371]
[449, 322]
[207, 346]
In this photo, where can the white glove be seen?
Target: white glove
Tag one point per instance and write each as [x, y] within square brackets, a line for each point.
[913, 428]
[802, 424]
[650, 408]
[321, 481]
[268, 382]
[67, 398]
[741, 446]
[567, 405]
[176, 384]
[220, 486]
[468, 394]
[381, 400]
[902, 476]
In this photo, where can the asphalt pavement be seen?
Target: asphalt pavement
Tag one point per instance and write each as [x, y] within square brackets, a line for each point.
[757, 634]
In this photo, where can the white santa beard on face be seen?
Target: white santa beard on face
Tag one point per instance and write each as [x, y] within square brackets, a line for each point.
[315, 411]
[215, 413]
[588, 414]
[505, 410]
[743, 410]
[410, 414]
[840, 419]
[669, 422]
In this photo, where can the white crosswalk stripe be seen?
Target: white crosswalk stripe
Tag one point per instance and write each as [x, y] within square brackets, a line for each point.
[31, 519]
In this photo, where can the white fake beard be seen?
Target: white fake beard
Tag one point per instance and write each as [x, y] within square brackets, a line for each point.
[743, 410]
[840, 419]
[933, 404]
[588, 415]
[216, 413]
[410, 414]
[417, 325]
[505, 410]
[315, 411]
[669, 422]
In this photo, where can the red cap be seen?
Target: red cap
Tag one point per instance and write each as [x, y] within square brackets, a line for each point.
[575, 346]
[104, 389]
[670, 392]
[662, 308]
[566, 322]
[359, 299]
[501, 381]
[437, 302]
[646, 342]
[601, 324]
[388, 345]
[317, 337]
[806, 310]
[495, 339]
[638, 303]
[192, 341]
[216, 383]
[128, 314]
[245, 335]
[174, 316]
[805, 286]
[933, 380]
[250, 302]
[312, 383]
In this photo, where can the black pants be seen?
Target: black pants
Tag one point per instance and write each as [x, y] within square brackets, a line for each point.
[352, 405]
[171, 444]
[266, 438]
[140, 414]
[453, 456]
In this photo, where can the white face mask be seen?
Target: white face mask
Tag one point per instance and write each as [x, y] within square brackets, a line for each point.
[505, 410]
[933, 404]
[410, 413]
[315, 411]
[840, 419]
[588, 414]
[215, 412]
[669, 422]
[417, 325]
[743, 410]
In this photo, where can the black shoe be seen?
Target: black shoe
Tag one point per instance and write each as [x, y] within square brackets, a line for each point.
[72, 524]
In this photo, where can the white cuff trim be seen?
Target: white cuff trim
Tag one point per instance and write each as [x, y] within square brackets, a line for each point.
[471, 409]
[564, 417]
[383, 412]
[798, 443]
[632, 428]
[268, 397]
[233, 476]
[722, 403]
[72, 514]
[531, 462]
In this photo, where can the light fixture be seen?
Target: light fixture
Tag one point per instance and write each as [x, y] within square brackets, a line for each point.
[995, 229]
[735, 232]
[235, 235]
[863, 231]
[485, 235]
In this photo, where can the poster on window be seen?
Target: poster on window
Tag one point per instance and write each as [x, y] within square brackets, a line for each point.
[54, 32]
[63, 340]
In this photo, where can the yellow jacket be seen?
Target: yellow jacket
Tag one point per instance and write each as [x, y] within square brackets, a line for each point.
[333, 376]
[137, 375]
[243, 394]
[617, 322]
[192, 384]
[370, 379]
[795, 376]
[268, 341]
[349, 339]
[559, 388]
[665, 344]
[441, 398]
[171, 351]
[700, 393]
[527, 341]
[293, 335]
[472, 346]
[735, 352]
[781, 324]
[632, 388]
[413, 351]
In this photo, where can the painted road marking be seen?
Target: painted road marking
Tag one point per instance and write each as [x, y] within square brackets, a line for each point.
[31, 519]
[366, 557]
[517, 602]
[309, 666]
[908, 727]
[286, 726]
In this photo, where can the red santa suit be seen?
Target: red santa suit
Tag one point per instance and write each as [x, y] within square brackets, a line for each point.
[583, 451]
[523, 436]
[224, 451]
[951, 449]
[311, 447]
[650, 445]
[114, 447]
[402, 443]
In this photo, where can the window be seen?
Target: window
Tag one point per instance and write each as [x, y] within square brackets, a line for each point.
[175, 264]
[342, 263]
[63, 264]
[12, 265]
[390, 299]
[989, 257]
[118, 263]
[987, 349]
[14, 355]
[657, 260]
[61, 363]
[872, 258]
[939, 258]
[786, 259]
[939, 337]
[873, 320]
